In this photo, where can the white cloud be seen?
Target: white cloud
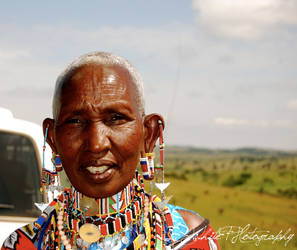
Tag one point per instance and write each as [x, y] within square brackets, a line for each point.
[29, 67]
[260, 124]
[234, 122]
[245, 19]
[283, 123]
[292, 104]
[230, 121]
[8, 55]
[162, 42]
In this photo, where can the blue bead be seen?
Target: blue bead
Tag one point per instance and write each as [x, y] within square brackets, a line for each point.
[57, 161]
[40, 221]
[94, 246]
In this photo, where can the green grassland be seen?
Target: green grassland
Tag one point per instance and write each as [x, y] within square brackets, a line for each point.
[237, 188]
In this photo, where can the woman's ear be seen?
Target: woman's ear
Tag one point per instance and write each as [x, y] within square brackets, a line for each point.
[50, 125]
[152, 131]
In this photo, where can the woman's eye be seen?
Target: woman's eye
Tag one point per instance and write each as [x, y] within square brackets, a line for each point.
[73, 121]
[116, 119]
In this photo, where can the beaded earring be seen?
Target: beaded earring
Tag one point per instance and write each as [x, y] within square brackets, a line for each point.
[57, 162]
[50, 182]
[147, 166]
[47, 180]
[160, 177]
[156, 173]
[151, 164]
[47, 177]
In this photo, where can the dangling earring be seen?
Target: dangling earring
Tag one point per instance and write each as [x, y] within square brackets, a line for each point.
[56, 160]
[147, 166]
[47, 177]
[57, 166]
[151, 164]
[144, 167]
[161, 184]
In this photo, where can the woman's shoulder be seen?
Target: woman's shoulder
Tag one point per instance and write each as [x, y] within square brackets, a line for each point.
[191, 218]
[22, 238]
[27, 237]
[190, 225]
[183, 220]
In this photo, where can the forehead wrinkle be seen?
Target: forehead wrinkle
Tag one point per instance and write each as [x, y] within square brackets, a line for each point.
[112, 82]
[90, 79]
[98, 58]
[101, 80]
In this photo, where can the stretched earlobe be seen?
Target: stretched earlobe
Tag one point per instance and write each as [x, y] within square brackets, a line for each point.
[152, 131]
[50, 125]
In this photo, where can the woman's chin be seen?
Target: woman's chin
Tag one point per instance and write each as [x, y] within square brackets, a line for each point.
[100, 185]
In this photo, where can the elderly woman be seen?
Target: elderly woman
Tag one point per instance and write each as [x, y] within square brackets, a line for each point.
[98, 135]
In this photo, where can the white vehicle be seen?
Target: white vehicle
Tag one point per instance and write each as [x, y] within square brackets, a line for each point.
[20, 166]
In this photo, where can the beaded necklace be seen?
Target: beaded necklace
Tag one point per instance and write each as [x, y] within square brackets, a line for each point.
[137, 223]
[91, 229]
[89, 233]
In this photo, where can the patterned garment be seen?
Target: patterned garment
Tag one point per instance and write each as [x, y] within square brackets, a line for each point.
[26, 238]
[180, 228]
[159, 228]
[203, 237]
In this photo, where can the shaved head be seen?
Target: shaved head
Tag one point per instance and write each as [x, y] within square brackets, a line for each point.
[102, 59]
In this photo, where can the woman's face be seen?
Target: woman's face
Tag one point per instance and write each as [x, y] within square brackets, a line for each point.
[99, 130]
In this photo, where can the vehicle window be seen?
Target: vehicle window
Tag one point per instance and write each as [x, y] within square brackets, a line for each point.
[19, 176]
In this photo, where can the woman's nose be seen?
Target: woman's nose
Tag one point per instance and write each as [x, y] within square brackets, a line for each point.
[97, 138]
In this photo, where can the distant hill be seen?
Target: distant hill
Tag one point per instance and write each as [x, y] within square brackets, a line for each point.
[249, 151]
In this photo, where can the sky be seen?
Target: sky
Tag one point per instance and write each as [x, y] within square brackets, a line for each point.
[222, 72]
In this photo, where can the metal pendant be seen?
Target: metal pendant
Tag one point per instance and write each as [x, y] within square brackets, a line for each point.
[89, 233]
[88, 205]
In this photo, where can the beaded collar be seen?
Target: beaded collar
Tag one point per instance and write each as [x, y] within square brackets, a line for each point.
[104, 206]
[136, 222]
[75, 227]
[120, 212]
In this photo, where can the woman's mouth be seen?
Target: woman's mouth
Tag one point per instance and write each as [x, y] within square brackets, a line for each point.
[97, 170]
[99, 174]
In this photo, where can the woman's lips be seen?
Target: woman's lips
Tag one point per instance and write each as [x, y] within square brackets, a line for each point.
[99, 174]
[97, 170]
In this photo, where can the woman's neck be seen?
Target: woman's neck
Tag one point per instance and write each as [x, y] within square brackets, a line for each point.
[108, 205]
[102, 207]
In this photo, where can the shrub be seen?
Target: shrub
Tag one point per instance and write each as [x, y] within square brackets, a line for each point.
[231, 181]
[261, 190]
[268, 180]
[245, 176]
[288, 192]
